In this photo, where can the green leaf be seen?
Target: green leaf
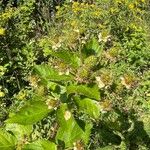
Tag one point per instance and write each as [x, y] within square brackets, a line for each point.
[89, 106]
[19, 130]
[69, 131]
[7, 141]
[106, 148]
[47, 73]
[41, 145]
[67, 57]
[32, 112]
[92, 47]
[91, 92]
[146, 123]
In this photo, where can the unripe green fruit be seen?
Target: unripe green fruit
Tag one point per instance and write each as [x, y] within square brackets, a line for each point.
[90, 62]
[83, 72]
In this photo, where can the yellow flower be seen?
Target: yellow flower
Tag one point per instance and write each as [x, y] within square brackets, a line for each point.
[96, 13]
[75, 4]
[76, 7]
[92, 5]
[131, 6]
[74, 23]
[119, 1]
[2, 70]
[2, 31]
[57, 7]
[21, 95]
[148, 94]
[2, 94]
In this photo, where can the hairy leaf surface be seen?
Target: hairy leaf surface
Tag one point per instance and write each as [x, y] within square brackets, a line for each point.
[7, 141]
[34, 111]
[70, 131]
[47, 73]
[91, 92]
[89, 107]
[41, 145]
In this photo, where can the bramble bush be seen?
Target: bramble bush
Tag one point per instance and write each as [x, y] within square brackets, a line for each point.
[76, 78]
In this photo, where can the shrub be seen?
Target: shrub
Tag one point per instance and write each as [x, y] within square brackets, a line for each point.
[89, 88]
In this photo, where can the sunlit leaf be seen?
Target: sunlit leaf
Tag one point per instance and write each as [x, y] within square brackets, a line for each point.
[67, 57]
[47, 73]
[7, 141]
[69, 131]
[41, 145]
[19, 130]
[91, 92]
[92, 47]
[32, 112]
[89, 106]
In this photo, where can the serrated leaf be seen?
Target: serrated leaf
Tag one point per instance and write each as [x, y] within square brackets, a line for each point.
[89, 106]
[47, 73]
[90, 92]
[41, 145]
[92, 47]
[32, 112]
[67, 57]
[7, 141]
[19, 130]
[69, 131]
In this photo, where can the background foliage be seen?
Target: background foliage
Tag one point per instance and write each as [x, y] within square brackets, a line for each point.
[74, 74]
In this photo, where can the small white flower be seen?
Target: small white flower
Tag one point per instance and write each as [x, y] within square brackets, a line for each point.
[103, 111]
[100, 82]
[50, 107]
[77, 30]
[123, 82]
[52, 129]
[67, 72]
[67, 115]
[56, 46]
[107, 38]
[100, 37]
[51, 104]
[83, 41]
[61, 73]
[75, 148]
